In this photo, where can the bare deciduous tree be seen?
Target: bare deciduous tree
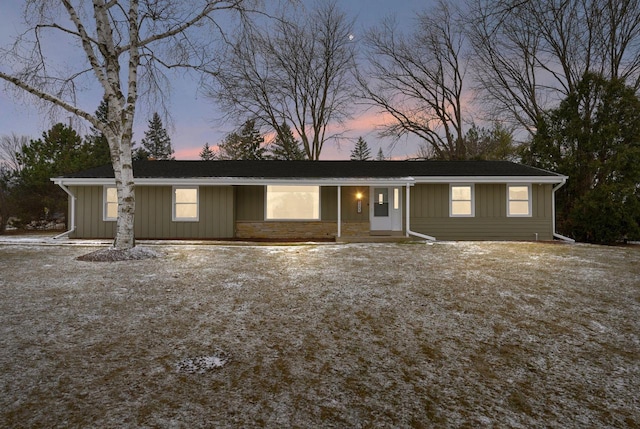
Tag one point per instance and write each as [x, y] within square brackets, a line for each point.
[122, 46]
[296, 71]
[528, 55]
[10, 146]
[419, 79]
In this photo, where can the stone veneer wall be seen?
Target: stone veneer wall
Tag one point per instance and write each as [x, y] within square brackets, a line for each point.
[298, 229]
[355, 229]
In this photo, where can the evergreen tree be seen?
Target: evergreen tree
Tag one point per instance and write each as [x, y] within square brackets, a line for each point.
[361, 151]
[7, 200]
[594, 138]
[380, 155]
[156, 141]
[286, 147]
[96, 141]
[207, 154]
[140, 154]
[60, 151]
[230, 148]
[494, 144]
[246, 146]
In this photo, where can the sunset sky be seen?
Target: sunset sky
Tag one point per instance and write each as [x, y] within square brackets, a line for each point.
[195, 119]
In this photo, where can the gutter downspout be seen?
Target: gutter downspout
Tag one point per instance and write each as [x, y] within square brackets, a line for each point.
[408, 218]
[339, 211]
[72, 223]
[553, 214]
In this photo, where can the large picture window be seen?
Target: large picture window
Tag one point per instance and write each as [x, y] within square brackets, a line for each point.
[461, 201]
[185, 204]
[519, 200]
[293, 203]
[110, 199]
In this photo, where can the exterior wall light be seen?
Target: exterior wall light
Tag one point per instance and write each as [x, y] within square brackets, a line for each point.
[359, 198]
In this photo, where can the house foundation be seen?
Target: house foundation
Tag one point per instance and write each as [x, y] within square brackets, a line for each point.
[292, 230]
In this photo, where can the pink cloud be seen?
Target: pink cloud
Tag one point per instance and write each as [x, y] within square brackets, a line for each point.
[188, 153]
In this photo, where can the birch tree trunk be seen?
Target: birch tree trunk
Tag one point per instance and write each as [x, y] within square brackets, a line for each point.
[113, 34]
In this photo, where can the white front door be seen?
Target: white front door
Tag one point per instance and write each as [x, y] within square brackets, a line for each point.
[385, 209]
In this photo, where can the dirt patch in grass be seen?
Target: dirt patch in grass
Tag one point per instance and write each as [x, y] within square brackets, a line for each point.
[111, 254]
[377, 335]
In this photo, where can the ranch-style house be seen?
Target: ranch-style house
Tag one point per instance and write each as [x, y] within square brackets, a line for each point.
[320, 200]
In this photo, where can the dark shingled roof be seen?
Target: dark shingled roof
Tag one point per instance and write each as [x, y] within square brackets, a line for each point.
[319, 169]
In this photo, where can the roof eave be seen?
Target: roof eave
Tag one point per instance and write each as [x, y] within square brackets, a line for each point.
[491, 179]
[228, 181]
[343, 181]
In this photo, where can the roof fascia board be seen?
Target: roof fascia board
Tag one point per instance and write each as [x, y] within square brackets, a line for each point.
[491, 179]
[228, 181]
[73, 181]
[222, 181]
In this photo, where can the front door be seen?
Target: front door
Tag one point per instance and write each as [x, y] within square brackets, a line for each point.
[385, 209]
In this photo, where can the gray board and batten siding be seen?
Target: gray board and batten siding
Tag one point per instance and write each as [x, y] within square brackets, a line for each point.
[430, 214]
[233, 192]
[153, 218]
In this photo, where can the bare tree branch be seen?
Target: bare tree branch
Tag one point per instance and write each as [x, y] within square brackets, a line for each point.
[112, 35]
[10, 146]
[419, 79]
[531, 54]
[293, 71]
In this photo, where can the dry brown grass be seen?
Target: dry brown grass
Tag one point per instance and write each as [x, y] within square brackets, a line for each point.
[383, 335]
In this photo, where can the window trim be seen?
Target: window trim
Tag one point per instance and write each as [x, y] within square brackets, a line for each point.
[266, 197]
[174, 218]
[473, 199]
[105, 203]
[529, 200]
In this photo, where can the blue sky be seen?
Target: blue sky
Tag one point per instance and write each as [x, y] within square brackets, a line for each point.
[195, 119]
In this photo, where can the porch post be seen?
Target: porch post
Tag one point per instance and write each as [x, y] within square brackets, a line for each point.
[408, 217]
[339, 211]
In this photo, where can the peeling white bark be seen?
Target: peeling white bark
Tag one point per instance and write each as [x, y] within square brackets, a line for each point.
[118, 31]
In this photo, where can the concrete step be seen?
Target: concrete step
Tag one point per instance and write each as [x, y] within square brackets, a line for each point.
[376, 239]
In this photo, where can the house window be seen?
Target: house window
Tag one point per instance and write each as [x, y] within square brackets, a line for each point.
[185, 204]
[461, 198]
[519, 200]
[293, 203]
[110, 198]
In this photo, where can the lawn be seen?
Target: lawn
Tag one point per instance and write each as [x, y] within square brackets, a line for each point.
[379, 335]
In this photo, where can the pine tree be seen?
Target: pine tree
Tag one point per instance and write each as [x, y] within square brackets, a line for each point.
[207, 154]
[286, 147]
[361, 152]
[491, 144]
[156, 141]
[380, 156]
[246, 146]
[96, 142]
[599, 149]
[60, 151]
[6, 207]
[140, 154]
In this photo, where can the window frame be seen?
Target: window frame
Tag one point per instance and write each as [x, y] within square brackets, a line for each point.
[471, 186]
[106, 203]
[529, 199]
[266, 205]
[174, 204]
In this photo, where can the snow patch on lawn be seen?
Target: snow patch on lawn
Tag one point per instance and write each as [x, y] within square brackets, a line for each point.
[202, 364]
[333, 335]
